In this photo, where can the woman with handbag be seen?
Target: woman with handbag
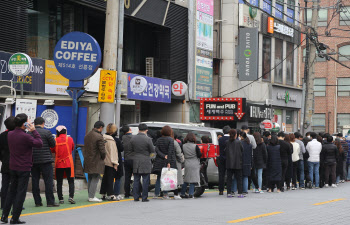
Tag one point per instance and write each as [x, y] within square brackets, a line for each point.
[165, 157]
[192, 155]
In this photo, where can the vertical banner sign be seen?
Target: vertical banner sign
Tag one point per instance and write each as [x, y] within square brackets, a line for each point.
[248, 54]
[107, 86]
[204, 44]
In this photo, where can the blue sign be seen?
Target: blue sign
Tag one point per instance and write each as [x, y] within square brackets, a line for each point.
[77, 56]
[267, 6]
[279, 11]
[33, 82]
[64, 117]
[156, 90]
[290, 17]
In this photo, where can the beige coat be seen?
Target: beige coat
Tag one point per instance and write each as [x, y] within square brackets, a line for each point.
[111, 151]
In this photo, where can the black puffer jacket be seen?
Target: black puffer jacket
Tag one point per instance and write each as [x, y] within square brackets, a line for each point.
[164, 146]
[44, 155]
[4, 153]
[329, 153]
[260, 156]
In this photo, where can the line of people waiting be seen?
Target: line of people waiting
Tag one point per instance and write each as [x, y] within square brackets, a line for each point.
[282, 161]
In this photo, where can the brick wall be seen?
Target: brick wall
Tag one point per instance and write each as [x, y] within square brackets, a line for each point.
[330, 70]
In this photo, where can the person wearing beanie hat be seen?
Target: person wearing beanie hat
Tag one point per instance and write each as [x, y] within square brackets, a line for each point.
[64, 165]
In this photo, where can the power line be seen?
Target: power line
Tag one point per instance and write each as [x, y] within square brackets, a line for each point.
[339, 62]
[266, 72]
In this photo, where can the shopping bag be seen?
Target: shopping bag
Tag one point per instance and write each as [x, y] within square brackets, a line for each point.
[168, 179]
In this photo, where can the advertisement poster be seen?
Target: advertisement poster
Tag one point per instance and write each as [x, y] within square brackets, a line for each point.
[55, 83]
[204, 44]
[26, 106]
[107, 86]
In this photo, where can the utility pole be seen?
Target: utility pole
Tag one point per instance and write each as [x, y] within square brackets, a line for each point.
[110, 53]
[310, 70]
[120, 63]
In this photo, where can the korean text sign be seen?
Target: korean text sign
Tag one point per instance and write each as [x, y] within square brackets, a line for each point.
[77, 56]
[157, 90]
[107, 86]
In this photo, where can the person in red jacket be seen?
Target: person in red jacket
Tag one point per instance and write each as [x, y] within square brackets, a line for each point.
[64, 162]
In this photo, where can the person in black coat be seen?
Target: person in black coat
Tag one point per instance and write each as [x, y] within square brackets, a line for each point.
[329, 155]
[260, 160]
[165, 157]
[222, 159]
[289, 172]
[274, 164]
[5, 158]
[113, 131]
[340, 160]
[286, 151]
[234, 158]
[246, 160]
[42, 165]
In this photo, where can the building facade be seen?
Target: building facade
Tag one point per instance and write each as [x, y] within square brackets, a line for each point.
[331, 112]
[273, 80]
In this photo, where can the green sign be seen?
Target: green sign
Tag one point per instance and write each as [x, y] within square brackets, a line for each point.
[253, 12]
[20, 64]
[286, 98]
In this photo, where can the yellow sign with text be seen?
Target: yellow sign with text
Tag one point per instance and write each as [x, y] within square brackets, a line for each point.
[106, 91]
[55, 83]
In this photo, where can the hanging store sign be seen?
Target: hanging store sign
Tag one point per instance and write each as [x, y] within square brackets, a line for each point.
[77, 56]
[249, 16]
[157, 90]
[261, 112]
[107, 86]
[266, 124]
[286, 97]
[179, 88]
[283, 29]
[20, 64]
[222, 108]
[248, 54]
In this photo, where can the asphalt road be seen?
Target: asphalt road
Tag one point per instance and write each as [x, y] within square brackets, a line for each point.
[288, 208]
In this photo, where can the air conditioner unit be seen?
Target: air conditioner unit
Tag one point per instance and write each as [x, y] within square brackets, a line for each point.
[149, 66]
[5, 90]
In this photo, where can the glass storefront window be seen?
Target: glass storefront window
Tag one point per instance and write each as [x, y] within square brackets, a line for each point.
[266, 59]
[290, 63]
[289, 117]
[278, 60]
[44, 27]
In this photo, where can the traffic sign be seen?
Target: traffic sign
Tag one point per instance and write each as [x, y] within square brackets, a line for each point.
[107, 86]
[179, 88]
[77, 56]
[20, 64]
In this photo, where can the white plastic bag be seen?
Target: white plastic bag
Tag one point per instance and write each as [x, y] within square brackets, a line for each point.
[168, 179]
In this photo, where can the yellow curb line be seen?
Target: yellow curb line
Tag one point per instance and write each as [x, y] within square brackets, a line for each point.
[77, 207]
[254, 217]
[334, 200]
